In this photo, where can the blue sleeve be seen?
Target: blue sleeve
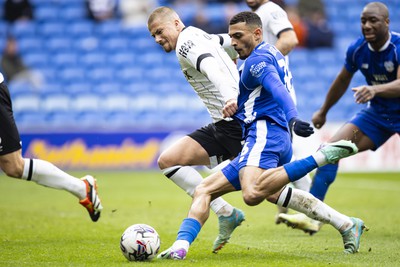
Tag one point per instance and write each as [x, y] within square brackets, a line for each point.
[350, 63]
[272, 82]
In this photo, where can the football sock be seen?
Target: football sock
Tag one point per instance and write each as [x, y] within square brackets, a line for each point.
[46, 174]
[299, 168]
[303, 183]
[306, 203]
[323, 178]
[189, 230]
[188, 178]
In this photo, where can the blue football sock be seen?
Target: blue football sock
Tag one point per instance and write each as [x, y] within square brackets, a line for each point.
[189, 230]
[298, 168]
[322, 180]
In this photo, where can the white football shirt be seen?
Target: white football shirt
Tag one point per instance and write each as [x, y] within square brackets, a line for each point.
[274, 20]
[208, 68]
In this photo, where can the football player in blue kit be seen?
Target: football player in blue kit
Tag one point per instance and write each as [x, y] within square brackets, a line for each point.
[262, 169]
[377, 55]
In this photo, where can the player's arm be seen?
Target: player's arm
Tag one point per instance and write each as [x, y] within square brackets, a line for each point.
[210, 67]
[270, 81]
[225, 41]
[336, 91]
[365, 93]
[287, 41]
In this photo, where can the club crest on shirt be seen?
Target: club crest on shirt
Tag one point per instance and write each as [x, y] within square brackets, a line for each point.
[258, 69]
[389, 66]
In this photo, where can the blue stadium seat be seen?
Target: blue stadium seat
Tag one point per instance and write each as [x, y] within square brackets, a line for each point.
[100, 74]
[130, 74]
[47, 13]
[65, 59]
[36, 59]
[76, 87]
[30, 44]
[80, 28]
[22, 29]
[52, 29]
[68, 74]
[122, 59]
[94, 59]
[58, 44]
[56, 102]
[73, 13]
[115, 102]
[88, 102]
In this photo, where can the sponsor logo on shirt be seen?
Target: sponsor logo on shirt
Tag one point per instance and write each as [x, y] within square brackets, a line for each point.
[258, 69]
[184, 50]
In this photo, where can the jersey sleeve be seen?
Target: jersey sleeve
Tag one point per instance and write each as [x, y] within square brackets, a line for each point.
[277, 21]
[350, 63]
[267, 75]
[225, 41]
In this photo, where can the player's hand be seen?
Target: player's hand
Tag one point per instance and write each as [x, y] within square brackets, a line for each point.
[230, 108]
[363, 94]
[318, 119]
[301, 128]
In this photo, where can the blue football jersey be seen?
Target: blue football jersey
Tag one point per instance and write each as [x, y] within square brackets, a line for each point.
[378, 67]
[265, 82]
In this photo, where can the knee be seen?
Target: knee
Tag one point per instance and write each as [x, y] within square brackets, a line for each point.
[252, 197]
[163, 162]
[14, 170]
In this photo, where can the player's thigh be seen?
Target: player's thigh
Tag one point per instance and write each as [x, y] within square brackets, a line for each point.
[215, 185]
[186, 151]
[353, 133]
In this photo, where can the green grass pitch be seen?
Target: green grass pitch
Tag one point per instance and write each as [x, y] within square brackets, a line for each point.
[47, 227]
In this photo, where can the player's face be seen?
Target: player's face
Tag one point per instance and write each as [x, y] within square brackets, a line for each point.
[244, 39]
[164, 33]
[374, 26]
[254, 4]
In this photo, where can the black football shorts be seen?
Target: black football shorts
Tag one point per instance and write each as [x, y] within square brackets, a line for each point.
[9, 137]
[222, 140]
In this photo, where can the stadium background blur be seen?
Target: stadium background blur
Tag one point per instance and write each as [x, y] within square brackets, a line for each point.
[112, 99]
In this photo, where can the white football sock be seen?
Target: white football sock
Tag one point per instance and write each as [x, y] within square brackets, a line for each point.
[303, 183]
[178, 244]
[306, 203]
[46, 174]
[188, 178]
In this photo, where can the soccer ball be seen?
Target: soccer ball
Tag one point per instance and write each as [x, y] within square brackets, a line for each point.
[140, 242]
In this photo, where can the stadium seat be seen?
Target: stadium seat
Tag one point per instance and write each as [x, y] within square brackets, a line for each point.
[27, 102]
[47, 13]
[58, 44]
[80, 28]
[56, 102]
[52, 29]
[69, 74]
[36, 59]
[85, 102]
[22, 29]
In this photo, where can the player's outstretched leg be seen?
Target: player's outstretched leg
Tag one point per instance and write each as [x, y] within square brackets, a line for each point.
[92, 201]
[301, 221]
[352, 236]
[227, 224]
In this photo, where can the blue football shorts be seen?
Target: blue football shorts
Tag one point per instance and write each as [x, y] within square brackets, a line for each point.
[267, 145]
[379, 127]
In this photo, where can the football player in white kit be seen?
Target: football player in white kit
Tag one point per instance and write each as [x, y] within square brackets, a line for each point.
[214, 77]
[278, 31]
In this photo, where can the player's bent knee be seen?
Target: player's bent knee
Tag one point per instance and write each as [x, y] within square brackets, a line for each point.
[252, 198]
[12, 171]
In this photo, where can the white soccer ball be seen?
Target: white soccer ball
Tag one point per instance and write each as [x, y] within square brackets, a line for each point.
[140, 242]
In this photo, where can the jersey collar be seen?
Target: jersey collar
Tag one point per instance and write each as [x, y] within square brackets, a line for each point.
[384, 46]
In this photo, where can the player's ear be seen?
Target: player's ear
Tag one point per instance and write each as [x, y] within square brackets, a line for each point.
[258, 34]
